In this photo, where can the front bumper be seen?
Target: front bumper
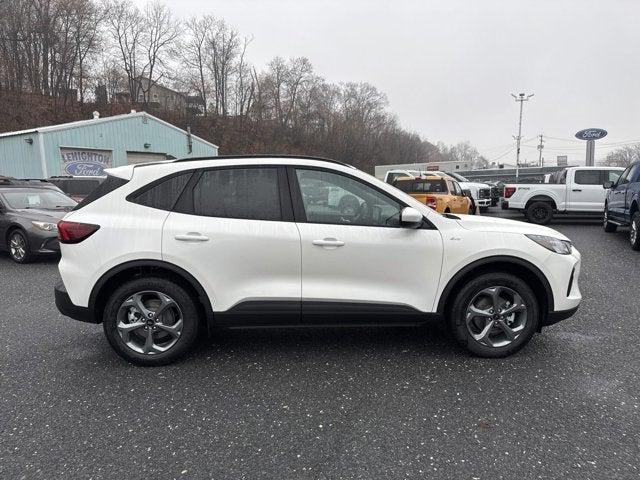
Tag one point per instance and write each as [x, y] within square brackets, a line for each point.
[483, 202]
[67, 308]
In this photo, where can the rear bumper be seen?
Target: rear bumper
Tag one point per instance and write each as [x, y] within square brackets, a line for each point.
[67, 308]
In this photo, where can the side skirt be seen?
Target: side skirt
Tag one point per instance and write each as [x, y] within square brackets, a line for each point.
[312, 313]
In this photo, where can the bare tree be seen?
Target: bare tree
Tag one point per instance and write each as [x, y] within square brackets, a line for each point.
[196, 55]
[623, 156]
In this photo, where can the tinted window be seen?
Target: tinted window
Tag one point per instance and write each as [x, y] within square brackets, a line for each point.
[419, 186]
[456, 189]
[349, 201]
[588, 177]
[633, 173]
[163, 195]
[109, 185]
[81, 187]
[248, 193]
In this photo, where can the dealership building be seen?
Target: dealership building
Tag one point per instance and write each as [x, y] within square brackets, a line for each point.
[89, 146]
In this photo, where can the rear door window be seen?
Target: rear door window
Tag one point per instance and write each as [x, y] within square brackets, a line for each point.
[246, 193]
[588, 177]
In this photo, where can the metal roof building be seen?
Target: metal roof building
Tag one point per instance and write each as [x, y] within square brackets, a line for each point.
[87, 147]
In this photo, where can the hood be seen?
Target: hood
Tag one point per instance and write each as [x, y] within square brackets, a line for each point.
[52, 216]
[503, 225]
[474, 184]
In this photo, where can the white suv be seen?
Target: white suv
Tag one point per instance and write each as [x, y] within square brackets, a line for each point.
[161, 253]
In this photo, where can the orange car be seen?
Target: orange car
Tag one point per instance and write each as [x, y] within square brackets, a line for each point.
[441, 194]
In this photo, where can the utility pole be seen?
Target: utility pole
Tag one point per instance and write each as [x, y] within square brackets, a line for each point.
[521, 97]
[540, 147]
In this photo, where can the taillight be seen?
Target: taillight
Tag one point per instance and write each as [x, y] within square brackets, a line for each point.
[508, 191]
[431, 202]
[74, 232]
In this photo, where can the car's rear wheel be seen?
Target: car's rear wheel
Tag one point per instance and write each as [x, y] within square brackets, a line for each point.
[539, 213]
[495, 315]
[18, 247]
[634, 231]
[151, 321]
[606, 224]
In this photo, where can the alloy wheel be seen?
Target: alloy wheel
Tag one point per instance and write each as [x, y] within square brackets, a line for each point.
[17, 247]
[149, 322]
[496, 316]
[633, 232]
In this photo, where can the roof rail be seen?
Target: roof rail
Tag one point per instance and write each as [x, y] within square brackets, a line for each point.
[264, 155]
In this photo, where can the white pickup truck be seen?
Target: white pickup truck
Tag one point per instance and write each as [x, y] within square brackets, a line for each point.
[575, 190]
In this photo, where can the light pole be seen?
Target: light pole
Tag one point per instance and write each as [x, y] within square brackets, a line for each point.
[521, 97]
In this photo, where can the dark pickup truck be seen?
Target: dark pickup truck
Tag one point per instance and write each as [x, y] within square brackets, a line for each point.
[622, 205]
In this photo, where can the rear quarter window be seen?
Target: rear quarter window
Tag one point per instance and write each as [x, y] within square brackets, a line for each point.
[110, 184]
[162, 194]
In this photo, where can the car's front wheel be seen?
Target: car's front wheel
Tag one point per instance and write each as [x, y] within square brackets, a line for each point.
[18, 247]
[151, 321]
[634, 231]
[494, 315]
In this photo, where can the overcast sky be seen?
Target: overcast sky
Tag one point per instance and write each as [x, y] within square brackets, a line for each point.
[448, 67]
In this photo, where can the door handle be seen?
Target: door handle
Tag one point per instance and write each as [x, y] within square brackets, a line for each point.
[576, 190]
[192, 237]
[328, 242]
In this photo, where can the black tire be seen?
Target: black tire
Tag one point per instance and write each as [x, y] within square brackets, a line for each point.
[458, 314]
[606, 224]
[473, 207]
[447, 210]
[539, 213]
[634, 231]
[19, 236]
[186, 305]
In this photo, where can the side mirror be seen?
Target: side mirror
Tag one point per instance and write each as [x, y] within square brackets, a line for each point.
[608, 184]
[466, 193]
[410, 217]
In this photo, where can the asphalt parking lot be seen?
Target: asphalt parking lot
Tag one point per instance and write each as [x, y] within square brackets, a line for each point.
[326, 404]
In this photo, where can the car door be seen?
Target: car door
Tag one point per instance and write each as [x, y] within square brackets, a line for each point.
[632, 188]
[585, 194]
[364, 265]
[459, 199]
[617, 196]
[233, 230]
[4, 224]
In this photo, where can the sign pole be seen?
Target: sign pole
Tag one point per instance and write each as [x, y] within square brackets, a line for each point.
[591, 146]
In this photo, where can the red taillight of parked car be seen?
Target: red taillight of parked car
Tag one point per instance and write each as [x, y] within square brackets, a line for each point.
[508, 191]
[431, 202]
[74, 232]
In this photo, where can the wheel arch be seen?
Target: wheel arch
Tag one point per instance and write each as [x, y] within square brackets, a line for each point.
[519, 267]
[633, 208]
[542, 198]
[136, 268]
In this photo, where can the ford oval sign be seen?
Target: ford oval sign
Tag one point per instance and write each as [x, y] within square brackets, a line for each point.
[591, 134]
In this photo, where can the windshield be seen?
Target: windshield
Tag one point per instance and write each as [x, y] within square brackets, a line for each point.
[44, 199]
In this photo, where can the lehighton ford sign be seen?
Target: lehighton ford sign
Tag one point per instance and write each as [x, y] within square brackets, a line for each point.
[84, 161]
[591, 134]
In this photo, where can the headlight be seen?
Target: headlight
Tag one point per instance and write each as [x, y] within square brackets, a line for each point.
[46, 226]
[563, 247]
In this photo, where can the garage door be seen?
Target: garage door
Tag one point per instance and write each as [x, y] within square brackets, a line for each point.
[142, 157]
